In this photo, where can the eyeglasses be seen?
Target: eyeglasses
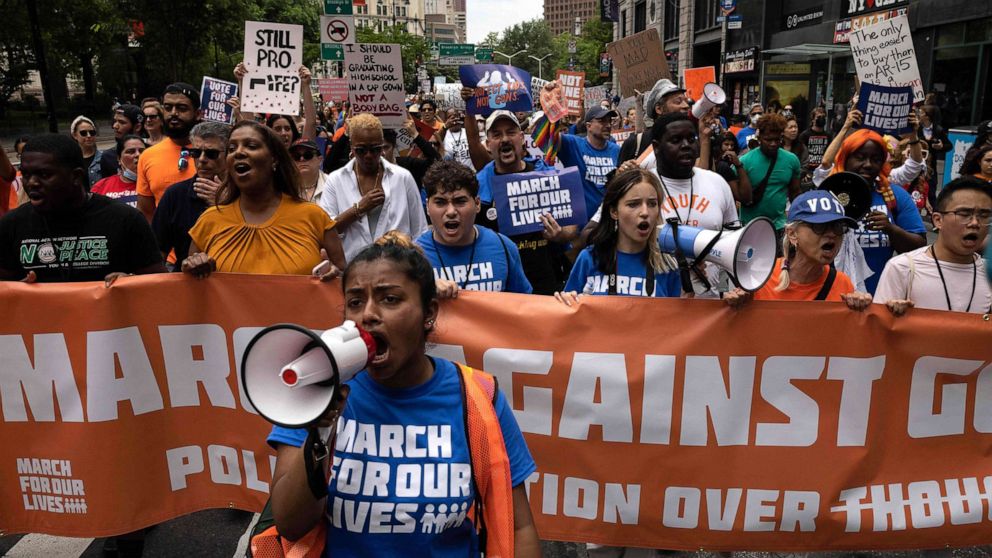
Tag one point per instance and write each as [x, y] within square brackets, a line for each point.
[87, 133]
[820, 229]
[966, 214]
[303, 155]
[362, 150]
[183, 159]
[210, 153]
[152, 116]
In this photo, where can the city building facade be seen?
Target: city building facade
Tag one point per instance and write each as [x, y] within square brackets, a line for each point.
[562, 15]
[380, 14]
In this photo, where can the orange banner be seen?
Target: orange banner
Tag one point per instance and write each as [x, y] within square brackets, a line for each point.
[661, 423]
[696, 78]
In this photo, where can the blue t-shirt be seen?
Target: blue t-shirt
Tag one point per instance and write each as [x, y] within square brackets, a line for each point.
[487, 173]
[875, 244]
[402, 480]
[594, 165]
[631, 273]
[493, 265]
[744, 134]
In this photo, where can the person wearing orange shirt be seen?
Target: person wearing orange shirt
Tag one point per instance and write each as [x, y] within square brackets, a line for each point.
[813, 238]
[168, 161]
[8, 196]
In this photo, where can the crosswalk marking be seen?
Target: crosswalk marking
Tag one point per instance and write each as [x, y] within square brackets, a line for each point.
[34, 545]
[245, 538]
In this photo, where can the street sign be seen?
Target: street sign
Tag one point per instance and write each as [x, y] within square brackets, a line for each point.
[336, 29]
[734, 22]
[337, 7]
[483, 55]
[435, 52]
[571, 47]
[456, 54]
[333, 52]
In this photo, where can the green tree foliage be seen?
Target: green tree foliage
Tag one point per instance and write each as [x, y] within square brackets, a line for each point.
[414, 49]
[588, 46]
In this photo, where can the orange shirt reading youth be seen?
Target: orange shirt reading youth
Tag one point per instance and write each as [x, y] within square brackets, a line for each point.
[287, 244]
[804, 291]
[158, 168]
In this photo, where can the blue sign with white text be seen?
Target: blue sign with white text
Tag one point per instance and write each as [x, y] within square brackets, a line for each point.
[497, 87]
[885, 109]
[521, 198]
[214, 95]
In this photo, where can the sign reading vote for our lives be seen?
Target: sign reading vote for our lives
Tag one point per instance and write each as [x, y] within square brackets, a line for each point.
[521, 198]
[884, 54]
[885, 109]
[273, 56]
[376, 81]
[214, 95]
[497, 87]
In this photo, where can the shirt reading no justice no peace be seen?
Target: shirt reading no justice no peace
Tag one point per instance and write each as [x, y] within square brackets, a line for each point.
[401, 479]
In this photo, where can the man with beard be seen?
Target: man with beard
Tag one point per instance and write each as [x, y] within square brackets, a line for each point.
[594, 155]
[128, 120]
[66, 233]
[168, 162]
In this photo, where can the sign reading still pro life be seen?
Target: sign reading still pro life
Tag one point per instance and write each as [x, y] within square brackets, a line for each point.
[884, 55]
[885, 109]
[273, 56]
[521, 198]
[376, 81]
[214, 95]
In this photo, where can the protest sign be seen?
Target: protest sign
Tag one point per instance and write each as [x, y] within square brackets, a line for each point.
[404, 139]
[884, 55]
[273, 56]
[639, 61]
[497, 87]
[626, 104]
[696, 78]
[621, 135]
[573, 86]
[449, 95]
[885, 109]
[214, 95]
[879, 442]
[596, 95]
[537, 84]
[333, 89]
[553, 102]
[521, 198]
[375, 73]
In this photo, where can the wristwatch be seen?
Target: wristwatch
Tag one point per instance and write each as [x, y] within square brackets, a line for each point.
[358, 209]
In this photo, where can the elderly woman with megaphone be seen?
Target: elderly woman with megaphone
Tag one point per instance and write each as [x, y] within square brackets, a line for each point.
[428, 458]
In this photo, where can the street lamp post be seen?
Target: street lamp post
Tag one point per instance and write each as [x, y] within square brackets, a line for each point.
[539, 61]
[509, 57]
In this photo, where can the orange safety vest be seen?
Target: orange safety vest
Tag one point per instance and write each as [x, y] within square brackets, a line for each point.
[490, 474]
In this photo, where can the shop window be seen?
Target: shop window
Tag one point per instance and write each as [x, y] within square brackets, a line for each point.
[954, 72]
[978, 31]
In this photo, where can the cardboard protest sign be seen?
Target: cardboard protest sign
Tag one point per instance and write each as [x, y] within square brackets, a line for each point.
[595, 95]
[273, 56]
[884, 55]
[885, 109]
[639, 61]
[553, 102]
[333, 89]
[573, 89]
[404, 140]
[696, 78]
[536, 84]
[214, 94]
[521, 198]
[375, 85]
[449, 95]
[497, 87]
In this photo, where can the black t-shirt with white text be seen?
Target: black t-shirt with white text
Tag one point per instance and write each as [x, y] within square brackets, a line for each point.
[816, 143]
[102, 237]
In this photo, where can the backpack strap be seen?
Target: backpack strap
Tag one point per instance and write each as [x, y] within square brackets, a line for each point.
[506, 255]
[827, 285]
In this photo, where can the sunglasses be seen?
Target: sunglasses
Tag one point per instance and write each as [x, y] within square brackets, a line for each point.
[303, 155]
[153, 116]
[87, 133]
[183, 159]
[838, 228]
[361, 150]
[210, 153]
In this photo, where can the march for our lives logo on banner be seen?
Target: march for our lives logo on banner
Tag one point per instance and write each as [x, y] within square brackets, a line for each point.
[497, 87]
[521, 198]
[885, 109]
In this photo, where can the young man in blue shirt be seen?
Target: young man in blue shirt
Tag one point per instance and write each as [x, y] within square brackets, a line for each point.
[595, 155]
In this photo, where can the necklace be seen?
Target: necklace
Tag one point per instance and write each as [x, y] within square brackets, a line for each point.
[471, 259]
[947, 295]
[675, 207]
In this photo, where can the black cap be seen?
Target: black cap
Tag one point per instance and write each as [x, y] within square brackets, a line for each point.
[600, 112]
[187, 90]
[132, 113]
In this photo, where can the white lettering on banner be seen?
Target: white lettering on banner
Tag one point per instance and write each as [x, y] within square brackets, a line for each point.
[925, 501]
[797, 509]
[950, 420]
[47, 486]
[227, 465]
[615, 503]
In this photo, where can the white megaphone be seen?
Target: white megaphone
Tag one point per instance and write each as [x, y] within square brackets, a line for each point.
[747, 254]
[712, 95]
[291, 375]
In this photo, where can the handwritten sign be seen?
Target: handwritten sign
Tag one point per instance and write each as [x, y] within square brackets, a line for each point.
[376, 81]
[573, 85]
[595, 95]
[333, 89]
[553, 102]
[404, 139]
[273, 56]
[521, 198]
[885, 109]
[449, 95]
[639, 61]
[696, 78]
[497, 87]
[537, 84]
[214, 95]
[884, 55]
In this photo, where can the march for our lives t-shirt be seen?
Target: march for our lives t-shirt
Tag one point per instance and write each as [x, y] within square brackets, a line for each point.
[402, 479]
[594, 165]
[491, 263]
[632, 270]
[876, 244]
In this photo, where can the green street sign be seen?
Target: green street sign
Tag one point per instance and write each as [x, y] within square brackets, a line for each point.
[337, 7]
[332, 52]
[456, 54]
[483, 55]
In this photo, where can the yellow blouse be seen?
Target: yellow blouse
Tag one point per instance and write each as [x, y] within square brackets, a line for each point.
[287, 244]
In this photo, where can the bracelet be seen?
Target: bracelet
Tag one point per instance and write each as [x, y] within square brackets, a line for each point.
[357, 208]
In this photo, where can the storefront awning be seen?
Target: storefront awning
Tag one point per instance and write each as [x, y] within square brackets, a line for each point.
[808, 51]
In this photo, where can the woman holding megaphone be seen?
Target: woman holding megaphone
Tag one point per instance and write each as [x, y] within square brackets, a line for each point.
[428, 458]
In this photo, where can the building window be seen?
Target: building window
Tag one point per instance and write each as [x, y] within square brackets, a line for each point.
[640, 16]
[623, 23]
[706, 12]
[671, 20]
